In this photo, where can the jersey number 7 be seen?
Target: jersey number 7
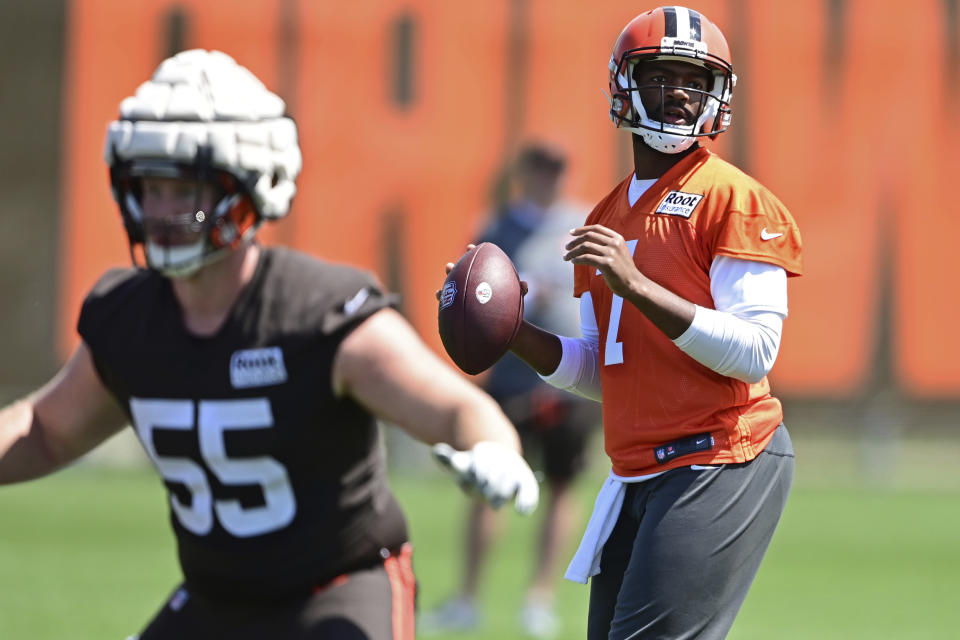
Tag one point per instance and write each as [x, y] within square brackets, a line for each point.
[613, 350]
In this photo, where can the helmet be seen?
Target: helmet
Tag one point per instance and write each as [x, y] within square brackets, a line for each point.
[204, 117]
[671, 33]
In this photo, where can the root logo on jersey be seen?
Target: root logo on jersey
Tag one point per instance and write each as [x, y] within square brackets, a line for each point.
[257, 368]
[678, 203]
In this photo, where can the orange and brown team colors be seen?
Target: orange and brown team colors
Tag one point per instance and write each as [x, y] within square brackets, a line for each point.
[701, 208]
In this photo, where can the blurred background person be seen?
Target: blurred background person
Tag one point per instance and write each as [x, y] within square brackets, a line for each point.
[531, 225]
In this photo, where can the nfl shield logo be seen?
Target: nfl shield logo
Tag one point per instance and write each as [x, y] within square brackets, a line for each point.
[448, 295]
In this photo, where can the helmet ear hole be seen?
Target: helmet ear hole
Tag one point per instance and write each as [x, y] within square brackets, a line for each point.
[231, 228]
[620, 105]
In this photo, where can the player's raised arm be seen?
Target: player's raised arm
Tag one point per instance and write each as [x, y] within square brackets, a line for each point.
[385, 366]
[58, 423]
[606, 250]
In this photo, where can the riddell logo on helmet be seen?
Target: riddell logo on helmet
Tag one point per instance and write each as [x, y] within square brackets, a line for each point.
[684, 47]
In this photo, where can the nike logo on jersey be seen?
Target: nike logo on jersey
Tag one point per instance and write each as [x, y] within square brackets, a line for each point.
[766, 235]
[678, 203]
[257, 368]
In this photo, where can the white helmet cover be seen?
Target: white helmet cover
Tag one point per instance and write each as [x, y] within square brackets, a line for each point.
[202, 111]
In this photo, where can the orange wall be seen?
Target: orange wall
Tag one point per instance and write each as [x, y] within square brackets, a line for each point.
[853, 134]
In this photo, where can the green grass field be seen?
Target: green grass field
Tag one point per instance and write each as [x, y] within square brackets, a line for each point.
[89, 554]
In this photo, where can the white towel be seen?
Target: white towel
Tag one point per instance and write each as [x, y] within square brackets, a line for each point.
[606, 510]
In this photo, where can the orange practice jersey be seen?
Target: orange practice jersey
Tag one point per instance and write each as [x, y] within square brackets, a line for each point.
[653, 393]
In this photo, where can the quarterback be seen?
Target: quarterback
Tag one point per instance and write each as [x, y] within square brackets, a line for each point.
[682, 276]
[254, 378]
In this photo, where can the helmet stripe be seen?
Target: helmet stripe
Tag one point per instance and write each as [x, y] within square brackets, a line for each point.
[694, 25]
[683, 22]
[670, 22]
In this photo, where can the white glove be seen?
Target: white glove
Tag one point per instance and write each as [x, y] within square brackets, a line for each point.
[495, 471]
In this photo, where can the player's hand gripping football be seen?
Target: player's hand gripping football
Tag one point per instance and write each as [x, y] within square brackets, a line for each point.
[494, 471]
[448, 267]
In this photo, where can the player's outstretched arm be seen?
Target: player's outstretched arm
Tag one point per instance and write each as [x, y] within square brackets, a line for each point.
[58, 423]
[385, 366]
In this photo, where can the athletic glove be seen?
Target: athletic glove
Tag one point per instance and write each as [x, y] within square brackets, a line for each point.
[493, 470]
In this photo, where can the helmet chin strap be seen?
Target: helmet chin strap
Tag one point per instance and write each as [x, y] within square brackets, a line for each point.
[175, 262]
[184, 261]
[666, 142]
[659, 135]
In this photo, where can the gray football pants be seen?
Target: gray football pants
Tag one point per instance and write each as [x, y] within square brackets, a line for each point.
[686, 548]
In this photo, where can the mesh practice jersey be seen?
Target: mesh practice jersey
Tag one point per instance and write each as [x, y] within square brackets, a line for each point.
[275, 485]
[661, 408]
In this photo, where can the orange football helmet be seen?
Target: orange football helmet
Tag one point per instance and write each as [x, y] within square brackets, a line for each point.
[671, 33]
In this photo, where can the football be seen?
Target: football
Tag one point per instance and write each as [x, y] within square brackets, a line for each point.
[481, 308]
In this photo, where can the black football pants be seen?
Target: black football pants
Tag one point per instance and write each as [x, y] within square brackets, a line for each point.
[370, 604]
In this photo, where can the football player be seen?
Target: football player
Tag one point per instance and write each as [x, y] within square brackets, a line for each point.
[682, 276]
[254, 378]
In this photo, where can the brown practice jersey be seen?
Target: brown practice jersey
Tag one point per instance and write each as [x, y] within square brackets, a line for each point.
[275, 485]
[654, 395]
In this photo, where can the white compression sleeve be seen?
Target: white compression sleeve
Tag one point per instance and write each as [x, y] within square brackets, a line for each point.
[741, 337]
[738, 346]
[579, 368]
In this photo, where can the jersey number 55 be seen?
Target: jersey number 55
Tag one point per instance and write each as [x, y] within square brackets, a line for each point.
[212, 419]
